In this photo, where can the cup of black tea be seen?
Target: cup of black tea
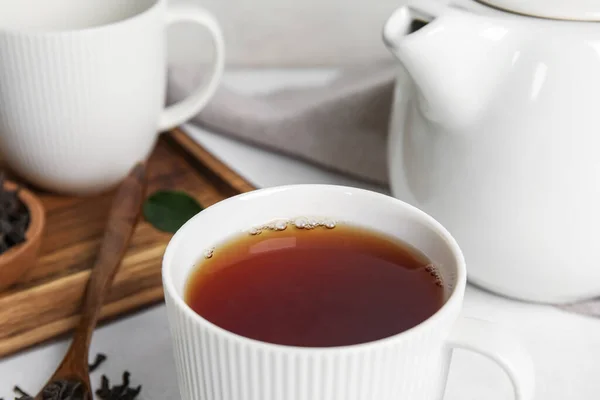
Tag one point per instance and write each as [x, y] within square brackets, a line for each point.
[319, 292]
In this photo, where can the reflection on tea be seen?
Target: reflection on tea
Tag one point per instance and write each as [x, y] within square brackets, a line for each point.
[320, 287]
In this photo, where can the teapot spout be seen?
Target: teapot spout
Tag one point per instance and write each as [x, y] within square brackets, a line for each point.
[455, 58]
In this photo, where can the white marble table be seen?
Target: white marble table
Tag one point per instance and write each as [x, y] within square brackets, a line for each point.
[565, 347]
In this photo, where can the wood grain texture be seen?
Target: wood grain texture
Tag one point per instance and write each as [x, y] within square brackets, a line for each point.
[46, 302]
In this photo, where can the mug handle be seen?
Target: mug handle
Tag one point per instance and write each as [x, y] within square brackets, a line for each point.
[502, 347]
[183, 110]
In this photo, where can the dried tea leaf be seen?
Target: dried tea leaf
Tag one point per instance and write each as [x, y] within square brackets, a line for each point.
[73, 390]
[168, 210]
[14, 217]
[118, 392]
[22, 394]
[100, 358]
[64, 390]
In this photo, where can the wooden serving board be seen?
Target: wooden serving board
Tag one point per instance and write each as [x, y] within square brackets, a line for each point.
[45, 303]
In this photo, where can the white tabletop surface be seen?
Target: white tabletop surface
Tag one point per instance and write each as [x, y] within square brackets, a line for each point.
[565, 347]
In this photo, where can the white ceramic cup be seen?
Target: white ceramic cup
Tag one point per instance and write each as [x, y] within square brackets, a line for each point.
[82, 87]
[214, 364]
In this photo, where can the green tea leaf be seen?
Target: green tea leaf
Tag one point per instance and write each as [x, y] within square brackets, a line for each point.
[168, 210]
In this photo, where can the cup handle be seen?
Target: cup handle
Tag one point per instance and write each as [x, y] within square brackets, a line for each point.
[502, 347]
[182, 111]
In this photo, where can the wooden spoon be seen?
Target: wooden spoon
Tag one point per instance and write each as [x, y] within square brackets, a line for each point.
[72, 377]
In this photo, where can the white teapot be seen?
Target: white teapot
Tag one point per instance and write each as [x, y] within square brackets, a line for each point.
[496, 133]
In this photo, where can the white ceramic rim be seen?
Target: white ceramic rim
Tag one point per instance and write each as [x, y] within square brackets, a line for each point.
[154, 4]
[456, 295]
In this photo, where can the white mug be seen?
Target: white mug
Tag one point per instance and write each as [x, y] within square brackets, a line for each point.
[215, 364]
[82, 87]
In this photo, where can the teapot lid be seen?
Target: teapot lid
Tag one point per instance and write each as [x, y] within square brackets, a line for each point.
[577, 10]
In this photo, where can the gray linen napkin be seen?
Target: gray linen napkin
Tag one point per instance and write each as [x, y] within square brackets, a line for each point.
[341, 126]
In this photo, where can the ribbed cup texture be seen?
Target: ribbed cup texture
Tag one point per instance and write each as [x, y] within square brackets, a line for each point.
[78, 109]
[214, 365]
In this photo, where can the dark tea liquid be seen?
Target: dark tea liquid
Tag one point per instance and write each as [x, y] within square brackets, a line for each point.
[315, 288]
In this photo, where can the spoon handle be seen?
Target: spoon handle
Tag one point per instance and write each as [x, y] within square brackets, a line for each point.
[121, 223]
